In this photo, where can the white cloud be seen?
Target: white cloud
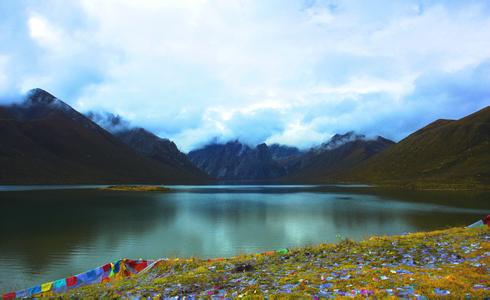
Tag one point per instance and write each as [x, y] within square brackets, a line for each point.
[280, 71]
[43, 32]
[3, 73]
[299, 135]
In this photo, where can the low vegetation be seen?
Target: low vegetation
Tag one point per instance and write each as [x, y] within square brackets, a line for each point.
[446, 154]
[453, 262]
[136, 188]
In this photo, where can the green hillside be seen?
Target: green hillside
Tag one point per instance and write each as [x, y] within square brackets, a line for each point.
[445, 153]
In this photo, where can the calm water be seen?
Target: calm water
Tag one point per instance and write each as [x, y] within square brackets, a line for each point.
[47, 234]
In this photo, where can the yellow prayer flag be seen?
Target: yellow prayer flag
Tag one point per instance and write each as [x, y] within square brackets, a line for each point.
[46, 287]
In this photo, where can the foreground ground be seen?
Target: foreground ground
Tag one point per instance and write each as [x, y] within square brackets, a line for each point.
[451, 263]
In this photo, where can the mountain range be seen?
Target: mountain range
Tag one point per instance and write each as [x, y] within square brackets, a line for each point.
[45, 141]
[236, 161]
[449, 154]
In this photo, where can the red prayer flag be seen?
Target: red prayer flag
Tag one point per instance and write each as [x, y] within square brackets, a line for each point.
[106, 267]
[9, 296]
[131, 263]
[71, 281]
[141, 266]
[486, 220]
[138, 266]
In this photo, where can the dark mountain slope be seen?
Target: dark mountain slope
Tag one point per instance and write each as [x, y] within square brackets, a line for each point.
[279, 152]
[44, 140]
[236, 161]
[444, 152]
[146, 143]
[341, 153]
[156, 148]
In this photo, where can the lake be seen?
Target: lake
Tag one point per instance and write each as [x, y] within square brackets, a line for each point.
[48, 233]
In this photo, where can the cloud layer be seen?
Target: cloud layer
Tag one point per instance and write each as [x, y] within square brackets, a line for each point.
[292, 72]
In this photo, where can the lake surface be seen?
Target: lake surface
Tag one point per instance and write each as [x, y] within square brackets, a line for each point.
[47, 233]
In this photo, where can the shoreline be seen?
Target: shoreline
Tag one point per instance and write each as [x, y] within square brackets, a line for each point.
[443, 187]
[451, 262]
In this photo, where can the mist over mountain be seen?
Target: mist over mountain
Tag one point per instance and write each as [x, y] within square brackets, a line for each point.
[340, 139]
[109, 121]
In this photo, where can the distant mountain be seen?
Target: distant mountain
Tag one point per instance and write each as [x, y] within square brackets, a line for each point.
[342, 152]
[338, 140]
[280, 152]
[44, 140]
[156, 148]
[145, 143]
[445, 153]
[237, 161]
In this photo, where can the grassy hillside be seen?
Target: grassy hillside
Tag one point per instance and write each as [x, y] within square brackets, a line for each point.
[321, 166]
[445, 153]
[450, 263]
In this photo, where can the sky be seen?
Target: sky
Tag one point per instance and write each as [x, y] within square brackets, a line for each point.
[288, 72]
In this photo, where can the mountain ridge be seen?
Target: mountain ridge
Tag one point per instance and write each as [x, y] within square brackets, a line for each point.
[159, 149]
[233, 160]
[236, 161]
[145, 142]
[44, 140]
[444, 153]
[341, 152]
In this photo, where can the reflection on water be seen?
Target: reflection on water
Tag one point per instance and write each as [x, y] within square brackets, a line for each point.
[49, 234]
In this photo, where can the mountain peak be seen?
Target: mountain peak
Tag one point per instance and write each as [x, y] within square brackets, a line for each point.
[39, 104]
[40, 96]
[339, 139]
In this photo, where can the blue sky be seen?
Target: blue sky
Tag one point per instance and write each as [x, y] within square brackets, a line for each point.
[291, 72]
